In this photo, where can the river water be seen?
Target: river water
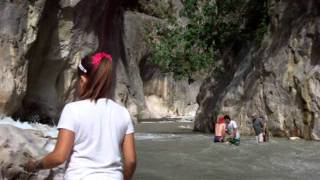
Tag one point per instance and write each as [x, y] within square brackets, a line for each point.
[171, 151]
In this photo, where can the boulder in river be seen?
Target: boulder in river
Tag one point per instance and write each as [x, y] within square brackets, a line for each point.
[16, 146]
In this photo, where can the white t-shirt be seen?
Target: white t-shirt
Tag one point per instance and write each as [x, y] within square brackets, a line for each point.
[99, 131]
[231, 126]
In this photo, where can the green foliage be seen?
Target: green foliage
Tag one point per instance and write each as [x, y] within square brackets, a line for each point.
[177, 51]
[262, 28]
[212, 26]
[216, 113]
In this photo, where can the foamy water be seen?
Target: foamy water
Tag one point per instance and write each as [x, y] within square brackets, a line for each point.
[48, 131]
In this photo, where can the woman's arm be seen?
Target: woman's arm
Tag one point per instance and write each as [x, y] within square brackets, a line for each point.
[130, 157]
[58, 156]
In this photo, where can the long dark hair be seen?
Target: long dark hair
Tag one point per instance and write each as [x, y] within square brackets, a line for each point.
[97, 68]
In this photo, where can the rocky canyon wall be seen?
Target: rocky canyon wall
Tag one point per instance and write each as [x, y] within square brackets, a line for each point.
[278, 80]
[18, 31]
[41, 43]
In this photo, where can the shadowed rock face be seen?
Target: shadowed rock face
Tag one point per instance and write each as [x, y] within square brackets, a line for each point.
[279, 81]
[41, 43]
[67, 32]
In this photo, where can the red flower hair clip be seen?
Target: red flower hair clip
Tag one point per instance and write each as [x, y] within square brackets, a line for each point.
[96, 59]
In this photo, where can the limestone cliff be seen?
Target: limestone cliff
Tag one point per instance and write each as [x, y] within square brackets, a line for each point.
[42, 41]
[279, 79]
[18, 30]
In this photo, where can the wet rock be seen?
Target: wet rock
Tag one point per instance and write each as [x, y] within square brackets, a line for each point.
[16, 146]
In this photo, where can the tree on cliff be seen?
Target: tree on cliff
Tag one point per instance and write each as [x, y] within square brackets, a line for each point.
[212, 27]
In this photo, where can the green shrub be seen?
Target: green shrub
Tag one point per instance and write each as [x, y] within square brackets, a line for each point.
[212, 27]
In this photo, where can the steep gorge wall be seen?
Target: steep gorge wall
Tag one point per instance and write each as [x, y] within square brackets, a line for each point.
[41, 43]
[18, 31]
[66, 31]
[279, 80]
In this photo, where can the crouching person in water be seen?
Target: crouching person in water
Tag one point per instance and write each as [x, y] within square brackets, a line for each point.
[219, 132]
[232, 130]
[260, 129]
[95, 132]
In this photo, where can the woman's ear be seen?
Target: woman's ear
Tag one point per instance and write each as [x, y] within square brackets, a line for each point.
[83, 79]
[83, 82]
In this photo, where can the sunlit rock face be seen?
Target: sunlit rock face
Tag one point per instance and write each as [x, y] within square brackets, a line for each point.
[279, 81]
[152, 93]
[166, 96]
[67, 32]
[18, 30]
[42, 42]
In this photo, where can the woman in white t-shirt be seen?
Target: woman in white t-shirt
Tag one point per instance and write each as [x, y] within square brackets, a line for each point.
[94, 132]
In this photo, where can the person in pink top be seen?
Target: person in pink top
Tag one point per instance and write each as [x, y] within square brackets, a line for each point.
[220, 128]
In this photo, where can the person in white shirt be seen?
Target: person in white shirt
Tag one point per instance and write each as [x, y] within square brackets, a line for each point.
[232, 130]
[95, 132]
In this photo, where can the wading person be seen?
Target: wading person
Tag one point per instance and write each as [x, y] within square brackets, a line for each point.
[95, 132]
[232, 131]
[220, 128]
[260, 129]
